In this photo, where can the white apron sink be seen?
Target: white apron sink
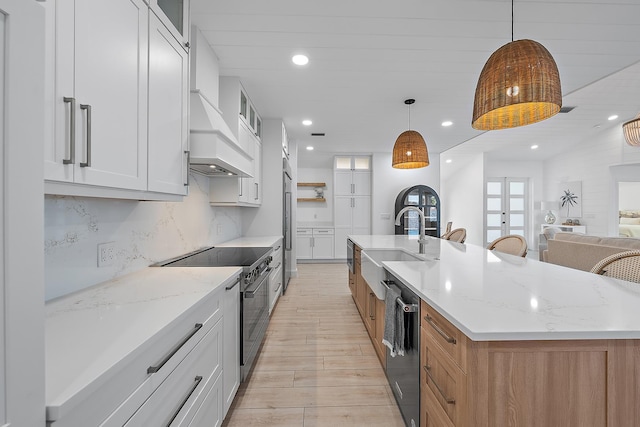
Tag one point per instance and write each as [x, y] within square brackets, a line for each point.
[373, 271]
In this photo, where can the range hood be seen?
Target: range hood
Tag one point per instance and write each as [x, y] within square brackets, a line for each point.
[215, 151]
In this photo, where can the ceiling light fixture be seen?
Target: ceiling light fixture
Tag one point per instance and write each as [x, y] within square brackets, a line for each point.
[612, 117]
[534, 147]
[300, 59]
[410, 150]
[309, 148]
[631, 130]
[448, 161]
[307, 122]
[518, 85]
[447, 123]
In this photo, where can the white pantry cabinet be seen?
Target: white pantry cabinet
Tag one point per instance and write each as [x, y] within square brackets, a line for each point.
[100, 93]
[168, 107]
[22, 98]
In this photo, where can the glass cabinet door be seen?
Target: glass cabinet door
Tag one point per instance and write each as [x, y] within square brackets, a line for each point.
[174, 14]
[425, 199]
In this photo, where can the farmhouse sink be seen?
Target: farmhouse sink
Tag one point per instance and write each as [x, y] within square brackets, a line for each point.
[373, 271]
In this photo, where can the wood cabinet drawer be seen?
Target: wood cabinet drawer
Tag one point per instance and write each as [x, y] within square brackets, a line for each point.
[440, 331]
[179, 397]
[443, 384]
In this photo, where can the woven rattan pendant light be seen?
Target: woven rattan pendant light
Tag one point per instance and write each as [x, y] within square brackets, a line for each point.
[410, 150]
[631, 130]
[518, 85]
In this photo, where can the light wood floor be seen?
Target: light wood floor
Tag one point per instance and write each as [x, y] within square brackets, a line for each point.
[317, 366]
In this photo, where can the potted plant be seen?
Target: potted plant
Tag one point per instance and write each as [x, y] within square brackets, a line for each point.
[568, 199]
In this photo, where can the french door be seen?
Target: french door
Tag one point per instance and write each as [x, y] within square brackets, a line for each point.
[506, 201]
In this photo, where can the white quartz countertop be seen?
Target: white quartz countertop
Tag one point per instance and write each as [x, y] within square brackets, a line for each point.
[256, 241]
[493, 296]
[88, 332]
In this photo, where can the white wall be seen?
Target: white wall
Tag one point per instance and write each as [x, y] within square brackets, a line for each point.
[629, 196]
[591, 165]
[315, 211]
[387, 182]
[143, 233]
[462, 199]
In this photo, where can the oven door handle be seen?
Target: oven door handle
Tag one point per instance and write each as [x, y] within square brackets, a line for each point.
[251, 293]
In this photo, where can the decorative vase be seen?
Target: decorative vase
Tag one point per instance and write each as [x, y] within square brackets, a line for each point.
[550, 218]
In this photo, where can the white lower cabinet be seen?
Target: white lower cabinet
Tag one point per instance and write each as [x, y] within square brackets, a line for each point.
[276, 277]
[231, 344]
[315, 243]
[176, 401]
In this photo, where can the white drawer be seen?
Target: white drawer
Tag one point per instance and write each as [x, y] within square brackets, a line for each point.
[131, 386]
[322, 231]
[176, 401]
[305, 231]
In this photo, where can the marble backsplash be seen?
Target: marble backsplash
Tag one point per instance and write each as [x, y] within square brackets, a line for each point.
[142, 233]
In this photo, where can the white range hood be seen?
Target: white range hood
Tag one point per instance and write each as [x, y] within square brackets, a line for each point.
[215, 151]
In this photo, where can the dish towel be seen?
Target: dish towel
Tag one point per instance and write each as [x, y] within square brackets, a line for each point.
[393, 323]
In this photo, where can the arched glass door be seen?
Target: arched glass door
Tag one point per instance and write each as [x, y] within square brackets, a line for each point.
[424, 198]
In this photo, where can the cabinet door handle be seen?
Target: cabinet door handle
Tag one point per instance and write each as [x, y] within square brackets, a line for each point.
[87, 108]
[439, 330]
[188, 153]
[256, 184]
[72, 131]
[184, 401]
[449, 400]
[174, 350]
[353, 188]
[372, 302]
[228, 288]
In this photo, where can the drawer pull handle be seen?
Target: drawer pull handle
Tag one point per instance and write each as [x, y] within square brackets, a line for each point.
[442, 333]
[174, 350]
[228, 288]
[184, 402]
[449, 400]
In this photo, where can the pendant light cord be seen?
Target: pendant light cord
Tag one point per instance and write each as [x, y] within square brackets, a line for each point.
[409, 113]
[511, 20]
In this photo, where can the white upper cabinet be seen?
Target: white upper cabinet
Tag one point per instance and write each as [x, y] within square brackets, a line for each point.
[352, 176]
[100, 101]
[174, 14]
[118, 92]
[168, 107]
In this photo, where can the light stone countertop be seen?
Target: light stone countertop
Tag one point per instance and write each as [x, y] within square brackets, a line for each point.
[256, 241]
[493, 296]
[88, 332]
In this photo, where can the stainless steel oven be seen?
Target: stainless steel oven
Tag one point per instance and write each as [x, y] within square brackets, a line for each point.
[350, 256]
[254, 291]
[254, 312]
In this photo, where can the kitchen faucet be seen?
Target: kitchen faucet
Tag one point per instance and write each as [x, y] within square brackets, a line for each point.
[421, 240]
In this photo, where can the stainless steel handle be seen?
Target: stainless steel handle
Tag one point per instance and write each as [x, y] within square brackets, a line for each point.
[240, 187]
[188, 153]
[72, 131]
[251, 293]
[228, 288]
[174, 350]
[439, 330]
[287, 221]
[197, 381]
[87, 108]
[449, 400]
[277, 266]
[277, 249]
[353, 188]
[278, 289]
[372, 302]
[257, 190]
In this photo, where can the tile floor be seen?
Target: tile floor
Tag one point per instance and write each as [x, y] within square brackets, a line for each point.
[317, 366]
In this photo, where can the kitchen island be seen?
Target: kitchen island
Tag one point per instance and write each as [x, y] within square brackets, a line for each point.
[513, 341]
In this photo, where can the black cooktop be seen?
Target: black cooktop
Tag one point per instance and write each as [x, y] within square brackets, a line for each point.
[220, 257]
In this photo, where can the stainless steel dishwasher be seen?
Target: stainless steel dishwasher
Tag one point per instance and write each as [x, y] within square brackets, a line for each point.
[403, 372]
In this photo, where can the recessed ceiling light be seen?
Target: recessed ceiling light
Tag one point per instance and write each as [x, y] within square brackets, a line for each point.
[309, 147]
[613, 117]
[212, 166]
[447, 123]
[448, 160]
[534, 147]
[307, 122]
[300, 60]
[229, 173]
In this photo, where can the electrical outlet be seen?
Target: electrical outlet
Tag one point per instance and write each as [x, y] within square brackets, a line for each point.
[106, 254]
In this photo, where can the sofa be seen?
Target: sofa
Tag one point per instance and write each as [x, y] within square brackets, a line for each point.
[582, 251]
